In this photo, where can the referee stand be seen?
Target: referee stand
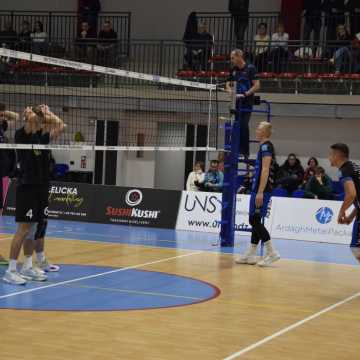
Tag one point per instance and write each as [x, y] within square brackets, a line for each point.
[233, 176]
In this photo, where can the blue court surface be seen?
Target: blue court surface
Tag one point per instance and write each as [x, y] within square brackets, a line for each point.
[94, 288]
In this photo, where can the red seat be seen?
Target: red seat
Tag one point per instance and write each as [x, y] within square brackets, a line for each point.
[330, 76]
[218, 58]
[185, 74]
[267, 75]
[290, 76]
[310, 76]
[351, 76]
[223, 74]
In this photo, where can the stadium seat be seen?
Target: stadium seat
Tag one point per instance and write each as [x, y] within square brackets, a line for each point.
[298, 194]
[279, 192]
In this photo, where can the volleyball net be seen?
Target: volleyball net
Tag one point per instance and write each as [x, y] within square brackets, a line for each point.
[107, 108]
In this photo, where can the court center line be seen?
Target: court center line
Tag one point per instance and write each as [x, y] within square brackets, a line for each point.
[291, 327]
[139, 292]
[97, 275]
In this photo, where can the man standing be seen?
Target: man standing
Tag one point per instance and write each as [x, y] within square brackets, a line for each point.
[350, 178]
[41, 125]
[239, 10]
[247, 84]
[262, 186]
[312, 15]
[6, 116]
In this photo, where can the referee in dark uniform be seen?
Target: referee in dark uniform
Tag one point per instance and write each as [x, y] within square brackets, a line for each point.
[247, 84]
[33, 169]
[350, 178]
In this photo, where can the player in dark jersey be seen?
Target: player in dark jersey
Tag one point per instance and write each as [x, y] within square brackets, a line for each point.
[260, 199]
[33, 177]
[349, 173]
[247, 84]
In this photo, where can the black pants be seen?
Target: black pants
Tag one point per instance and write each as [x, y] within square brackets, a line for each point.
[355, 23]
[261, 61]
[312, 25]
[240, 26]
[279, 57]
[259, 231]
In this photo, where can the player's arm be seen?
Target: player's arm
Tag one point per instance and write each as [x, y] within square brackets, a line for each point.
[255, 88]
[52, 123]
[350, 196]
[11, 116]
[264, 177]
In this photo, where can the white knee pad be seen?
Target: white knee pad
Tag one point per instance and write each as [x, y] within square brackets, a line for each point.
[356, 253]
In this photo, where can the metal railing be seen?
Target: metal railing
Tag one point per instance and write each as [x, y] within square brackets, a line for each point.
[66, 25]
[239, 29]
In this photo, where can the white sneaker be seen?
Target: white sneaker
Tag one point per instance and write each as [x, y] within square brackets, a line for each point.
[47, 267]
[14, 278]
[33, 274]
[269, 259]
[246, 259]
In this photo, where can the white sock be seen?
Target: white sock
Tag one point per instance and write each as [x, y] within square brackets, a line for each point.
[269, 248]
[40, 256]
[12, 265]
[27, 262]
[252, 249]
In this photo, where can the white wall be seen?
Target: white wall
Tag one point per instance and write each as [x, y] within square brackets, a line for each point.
[155, 19]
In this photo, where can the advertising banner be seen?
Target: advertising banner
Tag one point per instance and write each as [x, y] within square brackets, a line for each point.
[200, 211]
[67, 201]
[139, 207]
[311, 220]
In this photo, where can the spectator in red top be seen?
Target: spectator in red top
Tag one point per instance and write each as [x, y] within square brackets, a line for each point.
[310, 170]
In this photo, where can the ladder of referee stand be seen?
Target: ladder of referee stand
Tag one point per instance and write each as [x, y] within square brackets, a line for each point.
[232, 177]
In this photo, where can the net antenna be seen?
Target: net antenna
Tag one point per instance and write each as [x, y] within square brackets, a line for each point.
[153, 108]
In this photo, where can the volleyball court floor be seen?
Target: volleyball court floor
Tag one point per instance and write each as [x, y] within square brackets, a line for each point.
[140, 293]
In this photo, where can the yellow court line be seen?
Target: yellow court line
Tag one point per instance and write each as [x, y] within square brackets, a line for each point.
[136, 292]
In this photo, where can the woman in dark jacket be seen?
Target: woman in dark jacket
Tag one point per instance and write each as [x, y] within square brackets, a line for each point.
[190, 37]
[291, 174]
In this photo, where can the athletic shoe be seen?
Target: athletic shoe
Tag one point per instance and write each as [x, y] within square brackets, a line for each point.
[47, 267]
[269, 259]
[14, 278]
[33, 274]
[246, 259]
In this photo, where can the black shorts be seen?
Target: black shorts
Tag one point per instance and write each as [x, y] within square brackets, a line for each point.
[32, 203]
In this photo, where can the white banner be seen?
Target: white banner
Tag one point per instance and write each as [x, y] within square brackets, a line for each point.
[200, 211]
[310, 220]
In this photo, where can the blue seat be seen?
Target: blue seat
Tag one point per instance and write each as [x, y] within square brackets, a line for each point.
[279, 192]
[298, 194]
[61, 169]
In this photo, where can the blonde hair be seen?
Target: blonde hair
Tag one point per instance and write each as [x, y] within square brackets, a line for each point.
[267, 127]
[237, 52]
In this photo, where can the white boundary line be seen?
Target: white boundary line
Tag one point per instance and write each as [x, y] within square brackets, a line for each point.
[97, 275]
[291, 327]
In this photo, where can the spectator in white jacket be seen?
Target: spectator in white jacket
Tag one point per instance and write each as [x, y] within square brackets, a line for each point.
[196, 177]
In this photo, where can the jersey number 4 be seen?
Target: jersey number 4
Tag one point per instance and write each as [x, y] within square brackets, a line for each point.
[29, 214]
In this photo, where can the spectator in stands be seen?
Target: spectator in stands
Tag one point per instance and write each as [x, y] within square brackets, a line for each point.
[204, 46]
[189, 39]
[279, 48]
[214, 179]
[291, 174]
[196, 177]
[89, 12]
[334, 15]
[356, 53]
[341, 50]
[107, 44]
[8, 37]
[319, 186]
[246, 186]
[261, 52]
[353, 7]
[239, 10]
[310, 170]
[312, 16]
[25, 36]
[83, 40]
[39, 38]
